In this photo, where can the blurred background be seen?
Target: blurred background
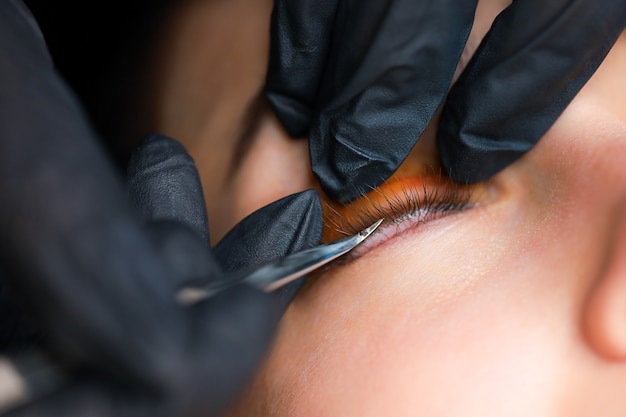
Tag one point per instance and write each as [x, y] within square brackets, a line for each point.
[99, 48]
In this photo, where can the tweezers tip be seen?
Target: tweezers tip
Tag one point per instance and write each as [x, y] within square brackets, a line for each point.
[369, 230]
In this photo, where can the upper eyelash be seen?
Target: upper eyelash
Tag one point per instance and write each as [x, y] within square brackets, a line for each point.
[432, 202]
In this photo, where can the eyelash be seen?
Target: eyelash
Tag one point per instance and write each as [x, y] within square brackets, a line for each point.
[409, 203]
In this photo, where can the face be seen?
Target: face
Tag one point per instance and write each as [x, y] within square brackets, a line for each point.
[504, 298]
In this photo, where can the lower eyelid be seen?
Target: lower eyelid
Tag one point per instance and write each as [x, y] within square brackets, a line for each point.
[409, 225]
[395, 228]
[385, 233]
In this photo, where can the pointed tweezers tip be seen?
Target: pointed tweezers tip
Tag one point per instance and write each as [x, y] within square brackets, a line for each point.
[289, 268]
[369, 230]
[365, 233]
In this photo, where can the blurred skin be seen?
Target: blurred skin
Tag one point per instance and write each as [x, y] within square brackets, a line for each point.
[514, 306]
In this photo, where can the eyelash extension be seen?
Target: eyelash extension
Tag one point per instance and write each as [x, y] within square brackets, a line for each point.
[417, 204]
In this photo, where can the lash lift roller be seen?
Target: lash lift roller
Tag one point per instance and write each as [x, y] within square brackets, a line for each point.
[31, 376]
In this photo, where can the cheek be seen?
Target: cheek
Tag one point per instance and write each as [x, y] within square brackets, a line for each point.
[475, 315]
[466, 359]
[457, 331]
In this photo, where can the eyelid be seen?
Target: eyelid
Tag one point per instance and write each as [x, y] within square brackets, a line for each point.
[418, 199]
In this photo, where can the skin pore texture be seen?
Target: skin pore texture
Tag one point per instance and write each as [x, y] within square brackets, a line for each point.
[511, 302]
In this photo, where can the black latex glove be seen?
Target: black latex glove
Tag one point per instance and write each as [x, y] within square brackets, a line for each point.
[226, 335]
[90, 276]
[163, 184]
[363, 78]
[534, 60]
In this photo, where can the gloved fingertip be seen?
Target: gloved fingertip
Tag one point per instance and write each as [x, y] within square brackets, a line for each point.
[294, 116]
[343, 182]
[469, 158]
[505, 101]
[307, 205]
[230, 336]
[290, 224]
[155, 150]
[164, 184]
[351, 157]
[312, 220]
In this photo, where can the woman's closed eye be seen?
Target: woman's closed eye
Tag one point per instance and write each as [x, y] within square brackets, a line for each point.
[404, 203]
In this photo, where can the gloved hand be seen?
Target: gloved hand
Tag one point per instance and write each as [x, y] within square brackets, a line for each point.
[91, 277]
[164, 186]
[365, 78]
[534, 60]
[226, 334]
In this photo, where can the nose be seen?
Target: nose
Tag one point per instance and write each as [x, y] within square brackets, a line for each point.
[597, 189]
[604, 318]
[616, 264]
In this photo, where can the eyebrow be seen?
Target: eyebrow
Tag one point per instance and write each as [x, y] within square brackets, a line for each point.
[250, 122]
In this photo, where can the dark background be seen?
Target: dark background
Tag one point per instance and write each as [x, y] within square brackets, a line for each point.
[99, 47]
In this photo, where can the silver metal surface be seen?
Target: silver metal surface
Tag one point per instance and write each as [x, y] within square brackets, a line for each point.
[277, 274]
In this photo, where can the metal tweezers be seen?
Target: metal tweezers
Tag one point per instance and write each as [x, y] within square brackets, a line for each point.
[31, 376]
[275, 275]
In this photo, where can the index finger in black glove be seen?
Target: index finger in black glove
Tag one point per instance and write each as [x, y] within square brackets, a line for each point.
[163, 184]
[531, 64]
[364, 78]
